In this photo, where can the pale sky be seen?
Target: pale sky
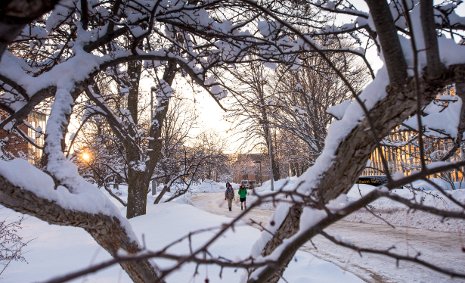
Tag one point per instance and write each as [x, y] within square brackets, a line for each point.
[211, 116]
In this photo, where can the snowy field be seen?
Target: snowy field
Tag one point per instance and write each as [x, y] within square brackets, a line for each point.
[56, 250]
[440, 245]
[393, 212]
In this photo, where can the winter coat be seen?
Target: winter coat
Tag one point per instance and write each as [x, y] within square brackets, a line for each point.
[229, 193]
[242, 192]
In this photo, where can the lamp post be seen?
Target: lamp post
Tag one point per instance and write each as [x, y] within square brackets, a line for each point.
[152, 90]
[154, 186]
[267, 129]
[259, 171]
[271, 158]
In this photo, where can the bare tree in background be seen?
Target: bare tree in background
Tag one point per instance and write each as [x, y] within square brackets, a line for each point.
[252, 109]
[293, 154]
[304, 96]
[177, 165]
[209, 148]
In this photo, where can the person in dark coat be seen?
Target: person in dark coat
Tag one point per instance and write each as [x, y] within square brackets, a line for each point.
[229, 195]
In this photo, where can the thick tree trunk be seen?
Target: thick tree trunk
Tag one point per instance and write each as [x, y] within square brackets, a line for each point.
[387, 36]
[138, 184]
[139, 181]
[351, 156]
[273, 161]
[434, 65]
[107, 231]
[288, 228]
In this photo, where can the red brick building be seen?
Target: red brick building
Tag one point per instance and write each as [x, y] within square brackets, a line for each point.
[252, 167]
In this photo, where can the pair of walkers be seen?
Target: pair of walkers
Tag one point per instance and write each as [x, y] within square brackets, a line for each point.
[229, 195]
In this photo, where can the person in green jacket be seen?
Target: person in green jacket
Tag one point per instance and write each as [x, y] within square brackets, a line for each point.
[242, 196]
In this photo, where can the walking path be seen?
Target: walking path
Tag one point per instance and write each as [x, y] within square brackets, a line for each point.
[444, 249]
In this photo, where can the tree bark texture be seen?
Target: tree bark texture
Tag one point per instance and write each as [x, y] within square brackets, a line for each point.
[137, 181]
[387, 34]
[106, 230]
[138, 184]
[289, 227]
[352, 154]
[434, 65]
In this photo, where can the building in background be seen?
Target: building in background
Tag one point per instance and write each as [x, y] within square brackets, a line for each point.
[254, 167]
[37, 122]
[401, 150]
[403, 155]
[15, 144]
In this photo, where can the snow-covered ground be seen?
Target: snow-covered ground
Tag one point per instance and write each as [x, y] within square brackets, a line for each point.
[56, 250]
[398, 214]
[441, 243]
[393, 212]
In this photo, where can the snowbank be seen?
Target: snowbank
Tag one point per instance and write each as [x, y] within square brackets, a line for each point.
[394, 212]
[399, 215]
[55, 250]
